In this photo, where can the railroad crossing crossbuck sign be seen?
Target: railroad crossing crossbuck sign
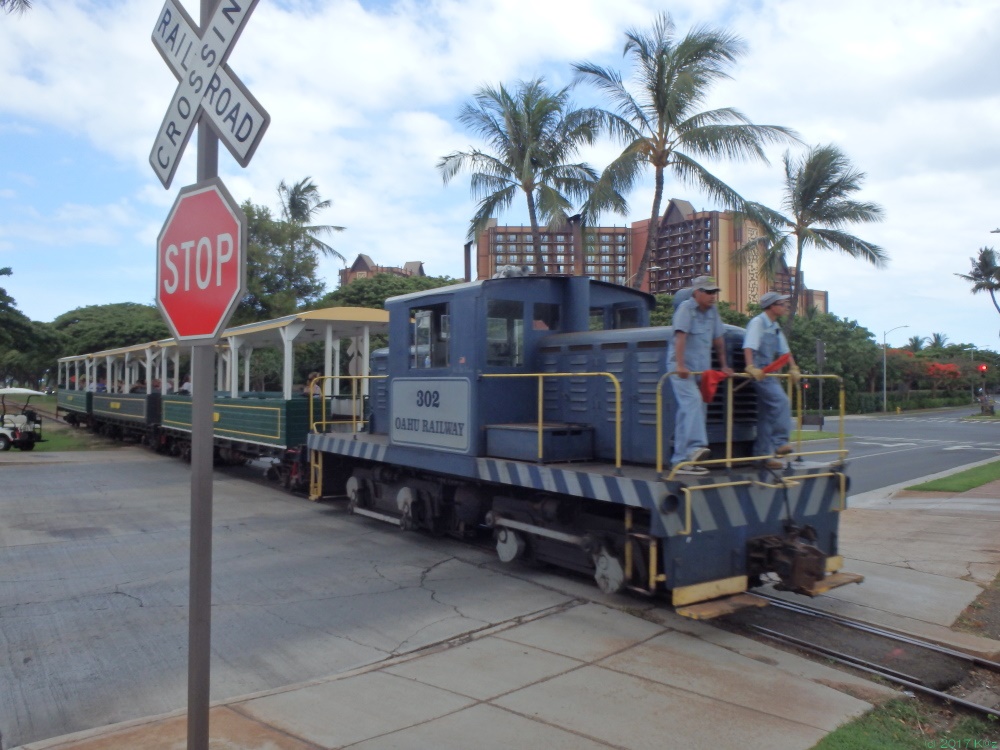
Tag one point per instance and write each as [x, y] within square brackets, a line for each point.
[200, 268]
[206, 85]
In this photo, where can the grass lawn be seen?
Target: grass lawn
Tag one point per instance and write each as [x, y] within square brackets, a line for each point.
[65, 438]
[909, 724]
[963, 480]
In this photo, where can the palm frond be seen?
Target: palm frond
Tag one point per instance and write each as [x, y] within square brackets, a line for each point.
[850, 245]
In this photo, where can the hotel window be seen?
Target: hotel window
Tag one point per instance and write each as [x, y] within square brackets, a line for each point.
[560, 238]
[500, 248]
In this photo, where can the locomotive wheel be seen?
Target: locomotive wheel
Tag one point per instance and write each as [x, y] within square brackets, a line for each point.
[510, 545]
[353, 491]
[608, 572]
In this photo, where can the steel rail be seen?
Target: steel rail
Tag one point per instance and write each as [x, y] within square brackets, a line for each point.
[879, 671]
[874, 630]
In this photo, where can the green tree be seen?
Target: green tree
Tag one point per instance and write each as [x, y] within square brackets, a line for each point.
[985, 274]
[300, 203]
[916, 343]
[373, 291]
[282, 271]
[817, 198]
[15, 326]
[37, 354]
[663, 313]
[96, 328]
[937, 341]
[532, 136]
[851, 353]
[662, 124]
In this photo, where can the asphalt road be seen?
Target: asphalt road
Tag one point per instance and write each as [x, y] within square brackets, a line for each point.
[94, 590]
[94, 576]
[889, 450]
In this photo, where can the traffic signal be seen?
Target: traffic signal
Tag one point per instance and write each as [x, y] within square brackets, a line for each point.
[982, 370]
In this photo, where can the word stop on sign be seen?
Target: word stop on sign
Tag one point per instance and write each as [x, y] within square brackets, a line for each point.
[197, 263]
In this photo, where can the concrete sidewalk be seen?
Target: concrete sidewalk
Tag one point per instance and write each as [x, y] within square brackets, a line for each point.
[590, 674]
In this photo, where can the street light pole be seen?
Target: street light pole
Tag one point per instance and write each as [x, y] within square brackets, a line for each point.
[884, 334]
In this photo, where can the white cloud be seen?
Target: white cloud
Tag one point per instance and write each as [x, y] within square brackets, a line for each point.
[363, 100]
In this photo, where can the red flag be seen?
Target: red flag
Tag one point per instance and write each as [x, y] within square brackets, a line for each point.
[778, 363]
[710, 380]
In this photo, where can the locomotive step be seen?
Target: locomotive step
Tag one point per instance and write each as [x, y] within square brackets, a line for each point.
[833, 581]
[718, 607]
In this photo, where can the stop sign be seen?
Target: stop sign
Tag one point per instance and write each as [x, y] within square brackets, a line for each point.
[201, 261]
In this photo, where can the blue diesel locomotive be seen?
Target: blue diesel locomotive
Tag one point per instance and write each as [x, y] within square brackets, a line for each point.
[539, 407]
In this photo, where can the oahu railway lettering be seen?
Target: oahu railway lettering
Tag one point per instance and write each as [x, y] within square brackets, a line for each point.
[430, 426]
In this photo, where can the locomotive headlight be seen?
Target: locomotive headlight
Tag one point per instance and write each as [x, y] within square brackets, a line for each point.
[670, 504]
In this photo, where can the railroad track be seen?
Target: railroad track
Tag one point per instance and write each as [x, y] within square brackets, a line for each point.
[913, 663]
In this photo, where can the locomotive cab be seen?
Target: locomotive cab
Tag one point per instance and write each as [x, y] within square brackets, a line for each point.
[467, 373]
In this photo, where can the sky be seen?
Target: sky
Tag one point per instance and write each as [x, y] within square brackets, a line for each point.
[363, 98]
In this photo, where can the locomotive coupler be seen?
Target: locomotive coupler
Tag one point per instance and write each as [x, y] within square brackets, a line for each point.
[794, 557]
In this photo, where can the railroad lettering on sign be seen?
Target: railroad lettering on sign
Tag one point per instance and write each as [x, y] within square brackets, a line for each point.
[431, 412]
[205, 85]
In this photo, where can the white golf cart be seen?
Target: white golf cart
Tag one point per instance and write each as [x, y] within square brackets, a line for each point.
[22, 427]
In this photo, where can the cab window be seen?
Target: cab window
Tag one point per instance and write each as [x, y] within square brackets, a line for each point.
[430, 332]
[626, 316]
[504, 333]
[546, 316]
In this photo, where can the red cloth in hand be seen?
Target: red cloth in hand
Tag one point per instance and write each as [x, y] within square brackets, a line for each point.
[778, 363]
[710, 380]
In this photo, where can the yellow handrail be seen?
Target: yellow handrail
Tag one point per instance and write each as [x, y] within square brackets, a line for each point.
[320, 425]
[541, 375]
[730, 390]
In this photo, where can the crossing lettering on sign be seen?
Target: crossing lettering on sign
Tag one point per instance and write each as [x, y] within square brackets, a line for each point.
[205, 85]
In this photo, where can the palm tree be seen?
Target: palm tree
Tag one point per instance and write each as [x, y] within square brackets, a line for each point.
[937, 341]
[915, 344]
[661, 124]
[985, 274]
[15, 6]
[817, 196]
[299, 205]
[532, 134]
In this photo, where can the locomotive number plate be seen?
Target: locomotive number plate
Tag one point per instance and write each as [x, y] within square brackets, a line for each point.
[430, 412]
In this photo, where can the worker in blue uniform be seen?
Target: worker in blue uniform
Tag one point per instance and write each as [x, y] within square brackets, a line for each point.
[763, 343]
[697, 328]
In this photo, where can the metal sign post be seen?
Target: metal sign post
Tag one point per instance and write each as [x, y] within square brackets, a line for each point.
[201, 267]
